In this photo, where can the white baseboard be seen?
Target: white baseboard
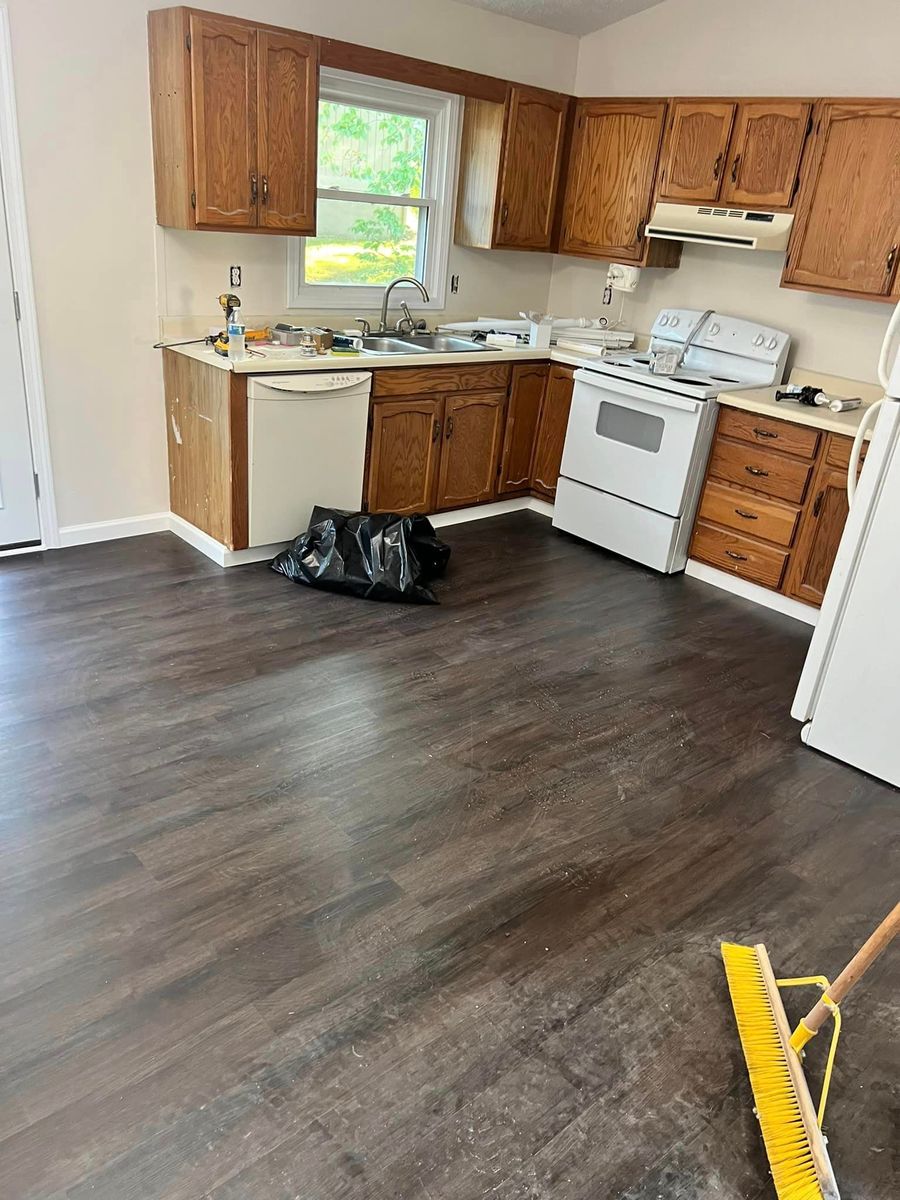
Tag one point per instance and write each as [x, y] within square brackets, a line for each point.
[752, 591]
[107, 531]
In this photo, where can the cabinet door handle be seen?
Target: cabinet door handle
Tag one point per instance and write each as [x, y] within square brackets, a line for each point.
[817, 506]
[734, 554]
[717, 166]
[449, 427]
[764, 433]
[265, 189]
[504, 212]
[735, 167]
[435, 431]
[742, 512]
[756, 471]
[891, 259]
[254, 188]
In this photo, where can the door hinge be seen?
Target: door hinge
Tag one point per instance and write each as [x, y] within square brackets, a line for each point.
[193, 199]
[17, 305]
[187, 42]
[37, 486]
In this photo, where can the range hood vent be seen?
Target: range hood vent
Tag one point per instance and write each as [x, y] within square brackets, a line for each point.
[720, 226]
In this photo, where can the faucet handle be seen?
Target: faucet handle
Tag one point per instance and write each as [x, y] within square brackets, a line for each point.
[365, 327]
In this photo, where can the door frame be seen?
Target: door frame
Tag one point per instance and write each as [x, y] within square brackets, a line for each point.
[13, 186]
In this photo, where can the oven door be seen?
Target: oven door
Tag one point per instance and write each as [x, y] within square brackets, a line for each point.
[633, 441]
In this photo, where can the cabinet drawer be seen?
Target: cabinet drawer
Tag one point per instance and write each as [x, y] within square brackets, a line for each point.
[769, 432]
[771, 520]
[763, 470]
[740, 555]
[837, 450]
[422, 381]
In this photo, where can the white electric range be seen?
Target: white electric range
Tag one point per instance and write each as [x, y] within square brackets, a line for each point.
[637, 442]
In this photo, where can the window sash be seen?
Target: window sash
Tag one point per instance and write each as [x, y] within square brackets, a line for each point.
[375, 198]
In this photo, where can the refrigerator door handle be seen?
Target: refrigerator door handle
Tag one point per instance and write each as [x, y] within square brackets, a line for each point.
[884, 362]
[856, 450]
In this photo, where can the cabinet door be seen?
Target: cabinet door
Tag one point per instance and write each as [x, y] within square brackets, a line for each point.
[821, 527]
[847, 230]
[764, 157]
[552, 433]
[473, 425]
[529, 169]
[288, 112]
[696, 149]
[523, 418]
[612, 170]
[223, 92]
[403, 458]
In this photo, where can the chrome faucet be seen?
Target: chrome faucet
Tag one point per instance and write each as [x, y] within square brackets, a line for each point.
[382, 324]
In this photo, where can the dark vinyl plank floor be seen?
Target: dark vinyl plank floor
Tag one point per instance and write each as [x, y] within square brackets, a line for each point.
[303, 898]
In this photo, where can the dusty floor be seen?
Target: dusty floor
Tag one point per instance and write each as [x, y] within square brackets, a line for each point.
[308, 898]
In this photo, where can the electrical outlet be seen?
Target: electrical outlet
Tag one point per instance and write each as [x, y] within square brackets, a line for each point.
[235, 277]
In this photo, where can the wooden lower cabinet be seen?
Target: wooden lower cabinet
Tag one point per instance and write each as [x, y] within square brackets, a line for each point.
[775, 516]
[523, 418]
[551, 434]
[405, 452]
[473, 429]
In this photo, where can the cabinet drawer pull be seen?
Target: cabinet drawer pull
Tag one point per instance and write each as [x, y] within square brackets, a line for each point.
[717, 166]
[435, 431]
[734, 554]
[764, 433]
[742, 512]
[735, 167]
[756, 471]
[891, 259]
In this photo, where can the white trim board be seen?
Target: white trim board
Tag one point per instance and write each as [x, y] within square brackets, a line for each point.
[108, 531]
[752, 591]
[20, 255]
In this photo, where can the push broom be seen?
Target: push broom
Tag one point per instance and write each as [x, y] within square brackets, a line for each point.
[791, 1126]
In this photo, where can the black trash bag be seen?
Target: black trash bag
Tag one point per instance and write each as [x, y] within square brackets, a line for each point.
[377, 556]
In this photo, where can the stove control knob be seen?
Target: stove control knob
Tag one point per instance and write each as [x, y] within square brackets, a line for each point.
[664, 319]
[673, 321]
[714, 328]
[771, 343]
[758, 340]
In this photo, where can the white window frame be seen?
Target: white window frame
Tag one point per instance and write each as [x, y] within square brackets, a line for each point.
[443, 112]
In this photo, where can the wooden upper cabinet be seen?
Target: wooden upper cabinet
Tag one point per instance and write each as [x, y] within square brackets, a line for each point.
[223, 93]
[510, 164]
[764, 155]
[612, 172]
[404, 454]
[234, 113]
[846, 235]
[696, 150]
[473, 427]
[552, 432]
[526, 395]
[288, 90]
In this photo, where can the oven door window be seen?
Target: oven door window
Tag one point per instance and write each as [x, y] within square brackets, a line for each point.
[630, 427]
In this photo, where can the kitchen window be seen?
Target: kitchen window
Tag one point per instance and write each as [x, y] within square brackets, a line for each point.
[388, 154]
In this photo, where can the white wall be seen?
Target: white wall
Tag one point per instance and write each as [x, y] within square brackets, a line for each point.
[84, 122]
[705, 47]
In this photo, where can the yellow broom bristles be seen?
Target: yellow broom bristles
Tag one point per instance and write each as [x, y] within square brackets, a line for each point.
[784, 1133]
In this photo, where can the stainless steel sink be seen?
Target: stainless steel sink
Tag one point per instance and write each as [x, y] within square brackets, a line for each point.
[388, 344]
[443, 343]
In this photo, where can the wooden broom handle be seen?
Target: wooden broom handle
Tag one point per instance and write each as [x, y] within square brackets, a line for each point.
[855, 969]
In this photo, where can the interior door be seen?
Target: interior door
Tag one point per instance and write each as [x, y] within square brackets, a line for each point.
[846, 234]
[223, 84]
[288, 119]
[19, 523]
[552, 434]
[473, 425]
[764, 157]
[522, 421]
[405, 448]
[530, 168]
[611, 176]
[696, 148]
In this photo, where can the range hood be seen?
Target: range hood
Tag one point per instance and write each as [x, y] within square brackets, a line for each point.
[717, 226]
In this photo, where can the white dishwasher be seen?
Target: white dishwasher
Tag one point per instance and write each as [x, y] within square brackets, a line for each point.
[306, 445]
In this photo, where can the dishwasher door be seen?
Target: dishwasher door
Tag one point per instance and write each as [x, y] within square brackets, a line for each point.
[306, 446]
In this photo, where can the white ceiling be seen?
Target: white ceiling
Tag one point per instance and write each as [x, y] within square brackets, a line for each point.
[568, 16]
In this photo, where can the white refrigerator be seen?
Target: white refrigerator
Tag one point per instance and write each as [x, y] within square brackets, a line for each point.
[849, 692]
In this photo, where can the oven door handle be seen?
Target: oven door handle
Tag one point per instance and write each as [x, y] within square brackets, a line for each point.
[623, 387]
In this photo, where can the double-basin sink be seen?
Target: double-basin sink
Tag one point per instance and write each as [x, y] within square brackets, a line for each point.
[425, 343]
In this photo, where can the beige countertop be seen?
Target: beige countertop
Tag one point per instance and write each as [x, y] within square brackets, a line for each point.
[762, 400]
[282, 358]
